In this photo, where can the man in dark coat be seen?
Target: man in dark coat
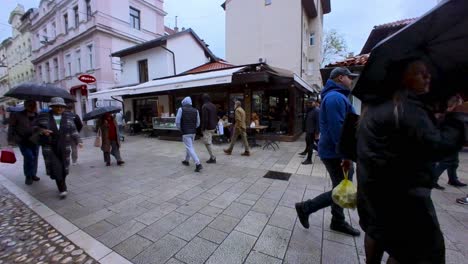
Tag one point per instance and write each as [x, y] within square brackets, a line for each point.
[55, 131]
[312, 129]
[335, 106]
[209, 120]
[397, 145]
[20, 131]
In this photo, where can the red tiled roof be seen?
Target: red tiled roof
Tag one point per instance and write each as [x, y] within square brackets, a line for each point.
[352, 61]
[399, 23]
[210, 66]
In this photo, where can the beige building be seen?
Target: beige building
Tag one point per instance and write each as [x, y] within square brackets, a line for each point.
[283, 33]
[15, 54]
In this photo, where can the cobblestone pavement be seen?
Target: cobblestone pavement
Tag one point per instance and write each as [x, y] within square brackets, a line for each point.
[26, 238]
[155, 210]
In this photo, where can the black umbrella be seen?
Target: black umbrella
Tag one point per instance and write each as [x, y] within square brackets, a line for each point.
[39, 92]
[440, 37]
[98, 112]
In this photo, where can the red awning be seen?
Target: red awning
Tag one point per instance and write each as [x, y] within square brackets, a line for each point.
[82, 87]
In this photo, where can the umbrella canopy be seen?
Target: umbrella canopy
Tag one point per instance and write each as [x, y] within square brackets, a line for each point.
[15, 109]
[440, 37]
[39, 92]
[98, 112]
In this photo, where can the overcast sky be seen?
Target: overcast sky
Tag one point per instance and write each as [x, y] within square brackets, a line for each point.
[353, 19]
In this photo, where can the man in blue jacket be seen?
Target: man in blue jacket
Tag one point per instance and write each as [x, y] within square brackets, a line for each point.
[335, 106]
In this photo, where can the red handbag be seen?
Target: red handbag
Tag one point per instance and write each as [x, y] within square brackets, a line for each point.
[7, 156]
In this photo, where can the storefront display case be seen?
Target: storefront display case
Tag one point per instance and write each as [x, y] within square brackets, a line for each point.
[165, 128]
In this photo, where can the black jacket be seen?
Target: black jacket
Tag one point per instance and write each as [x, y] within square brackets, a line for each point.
[209, 119]
[396, 150]
[312, 121]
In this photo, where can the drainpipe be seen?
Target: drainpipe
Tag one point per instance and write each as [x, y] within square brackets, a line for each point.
[173, 58]
[302, 39]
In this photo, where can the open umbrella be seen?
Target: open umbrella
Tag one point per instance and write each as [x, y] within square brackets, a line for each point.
[98, 112]
[440, 37]
[39, 92]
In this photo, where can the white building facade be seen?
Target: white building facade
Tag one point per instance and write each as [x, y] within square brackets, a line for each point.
[71, 38]
[284, 34]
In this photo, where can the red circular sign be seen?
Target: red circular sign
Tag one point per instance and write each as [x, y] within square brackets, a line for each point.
[86, 78]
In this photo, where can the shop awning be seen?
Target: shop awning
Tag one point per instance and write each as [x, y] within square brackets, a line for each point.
[82, 87]
[171, 83]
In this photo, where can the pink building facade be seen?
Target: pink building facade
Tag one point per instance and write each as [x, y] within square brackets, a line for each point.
[75, 37]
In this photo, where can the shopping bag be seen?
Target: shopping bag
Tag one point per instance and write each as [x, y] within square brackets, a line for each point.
[98, 140]
[7, 155]
[345, 193]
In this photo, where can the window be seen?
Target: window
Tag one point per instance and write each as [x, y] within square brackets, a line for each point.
[312, 39]
[77, 16]
[90, 57]
[88, 9]
[39, 69]
[143, 70]
[78, 61]
[54, 30]
[68, 64]
[134, 18]
[65, 23]
[45, 38]
[267, 2]
[47, 76]
[56, 70]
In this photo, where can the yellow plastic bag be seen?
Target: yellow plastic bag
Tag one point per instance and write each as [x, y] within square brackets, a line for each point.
[345, 193]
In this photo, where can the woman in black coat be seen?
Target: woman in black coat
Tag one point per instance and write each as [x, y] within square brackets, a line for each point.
[398, 143]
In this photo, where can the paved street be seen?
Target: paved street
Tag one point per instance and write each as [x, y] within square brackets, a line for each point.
[155, 210]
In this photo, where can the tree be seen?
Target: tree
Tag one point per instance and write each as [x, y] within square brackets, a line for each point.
[334, 47]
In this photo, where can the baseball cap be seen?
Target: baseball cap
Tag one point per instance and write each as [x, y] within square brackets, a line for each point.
[342, 71]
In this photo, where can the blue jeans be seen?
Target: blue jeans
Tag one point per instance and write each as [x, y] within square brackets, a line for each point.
[30, 154]
[325, 199]
[190, 151]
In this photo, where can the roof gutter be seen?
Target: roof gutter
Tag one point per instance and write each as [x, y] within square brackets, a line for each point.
[173, 58]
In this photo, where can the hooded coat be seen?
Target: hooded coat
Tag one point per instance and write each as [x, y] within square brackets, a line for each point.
[333, 110]
[187, 118]
[397, 146]
[103, 125]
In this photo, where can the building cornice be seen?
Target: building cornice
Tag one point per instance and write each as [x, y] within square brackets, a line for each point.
[152, 7]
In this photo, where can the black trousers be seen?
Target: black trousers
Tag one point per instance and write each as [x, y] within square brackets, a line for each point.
[311, 145]
[61, 185]
[325, 199]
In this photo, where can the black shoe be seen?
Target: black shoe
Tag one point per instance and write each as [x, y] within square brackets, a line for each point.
[198, 168]
[303, 153]
[303, 217]
[186, 163]
[120, 163]
[29, 181]
[457, 183]
[438, 187]
[345, 228]
[211, 160]
[306, 162]
[462, 200]
[35, 178]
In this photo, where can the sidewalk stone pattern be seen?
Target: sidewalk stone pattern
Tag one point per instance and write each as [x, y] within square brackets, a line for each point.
[155, 210]
[26, 238]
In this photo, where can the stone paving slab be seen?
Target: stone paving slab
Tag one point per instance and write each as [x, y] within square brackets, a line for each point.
[154, 210]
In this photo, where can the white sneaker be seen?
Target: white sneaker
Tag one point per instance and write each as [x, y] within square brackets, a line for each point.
[74, 163]
[63, 194]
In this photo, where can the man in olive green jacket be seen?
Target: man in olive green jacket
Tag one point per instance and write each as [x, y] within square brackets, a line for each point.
[239, 129]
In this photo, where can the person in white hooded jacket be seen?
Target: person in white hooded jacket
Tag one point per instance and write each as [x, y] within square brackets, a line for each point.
[187, 121]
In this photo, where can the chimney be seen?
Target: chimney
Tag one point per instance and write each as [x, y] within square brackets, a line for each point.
[183, 28]
[176, 29]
